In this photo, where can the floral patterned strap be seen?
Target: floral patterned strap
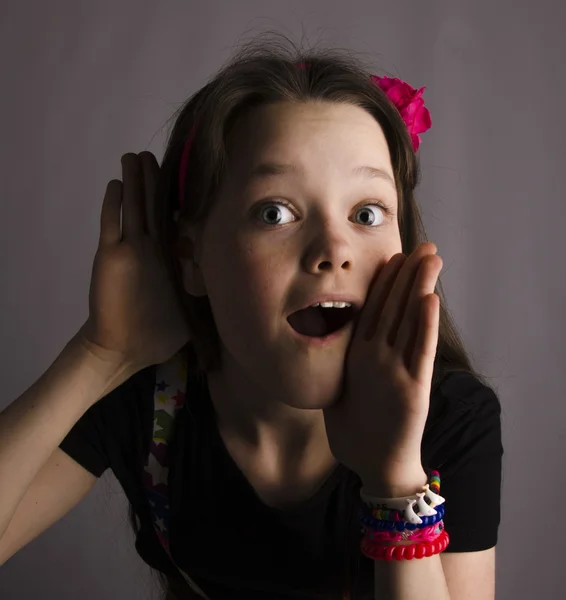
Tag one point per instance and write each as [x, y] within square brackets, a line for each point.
[169, 399]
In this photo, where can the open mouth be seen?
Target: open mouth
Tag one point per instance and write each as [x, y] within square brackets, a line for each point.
[320, 321]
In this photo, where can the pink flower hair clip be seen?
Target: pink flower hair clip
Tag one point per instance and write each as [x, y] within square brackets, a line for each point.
[409, 103]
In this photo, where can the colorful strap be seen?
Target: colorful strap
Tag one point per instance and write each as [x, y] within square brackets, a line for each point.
[168, 400]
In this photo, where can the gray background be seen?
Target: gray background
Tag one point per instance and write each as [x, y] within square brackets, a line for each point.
[85, 82]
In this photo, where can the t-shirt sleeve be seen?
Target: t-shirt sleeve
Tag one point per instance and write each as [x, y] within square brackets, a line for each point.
[470, 465]
[86, 441]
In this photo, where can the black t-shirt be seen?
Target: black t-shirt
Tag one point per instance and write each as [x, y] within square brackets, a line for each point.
[233, 545]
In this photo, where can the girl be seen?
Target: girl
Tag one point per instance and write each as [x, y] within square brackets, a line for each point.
[266, 367]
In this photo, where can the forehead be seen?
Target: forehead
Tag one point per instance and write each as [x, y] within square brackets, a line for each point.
[298, 139]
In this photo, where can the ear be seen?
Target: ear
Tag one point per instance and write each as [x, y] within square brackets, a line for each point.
[186, 247]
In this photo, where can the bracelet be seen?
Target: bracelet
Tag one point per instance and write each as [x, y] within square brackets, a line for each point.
[388, 553]
[389, 520]
[381, 524]
[407, 503]
[425, 534]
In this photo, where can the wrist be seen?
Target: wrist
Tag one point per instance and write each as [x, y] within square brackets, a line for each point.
[408, 486]
[104, 373]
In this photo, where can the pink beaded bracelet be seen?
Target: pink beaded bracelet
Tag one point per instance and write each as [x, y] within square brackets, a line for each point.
[377, 551]
[425, 534]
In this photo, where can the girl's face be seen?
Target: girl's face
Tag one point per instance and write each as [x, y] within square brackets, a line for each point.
[277, 238]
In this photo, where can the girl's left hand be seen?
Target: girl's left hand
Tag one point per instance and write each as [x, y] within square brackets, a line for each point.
[376, 427]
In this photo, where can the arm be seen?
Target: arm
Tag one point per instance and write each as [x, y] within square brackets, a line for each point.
[32, 427]
[59, 486]
[408, 579]
[445, 576]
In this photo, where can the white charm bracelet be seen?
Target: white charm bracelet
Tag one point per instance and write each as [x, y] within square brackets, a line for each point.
[407, 503]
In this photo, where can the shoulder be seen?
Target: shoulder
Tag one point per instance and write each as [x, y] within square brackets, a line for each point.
[462, 440]
[464, 421]
[120, 417]
[461, 392]
[111, 432]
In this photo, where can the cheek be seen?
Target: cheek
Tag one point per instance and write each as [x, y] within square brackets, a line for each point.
[248, 292]
[264, 281]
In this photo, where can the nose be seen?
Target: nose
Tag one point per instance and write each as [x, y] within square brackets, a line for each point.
[329, 251]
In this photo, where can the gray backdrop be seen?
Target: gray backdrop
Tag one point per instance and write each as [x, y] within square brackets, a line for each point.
[85, 82]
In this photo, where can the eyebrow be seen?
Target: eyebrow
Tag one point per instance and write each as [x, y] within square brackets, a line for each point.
[267, 170]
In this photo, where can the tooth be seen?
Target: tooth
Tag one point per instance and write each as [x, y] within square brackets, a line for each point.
[332, 304]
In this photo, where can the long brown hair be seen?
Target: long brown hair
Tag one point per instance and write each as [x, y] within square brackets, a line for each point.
[265, 71]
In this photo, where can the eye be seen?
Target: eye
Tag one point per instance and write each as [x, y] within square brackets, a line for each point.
[270, 211]
[373, 205]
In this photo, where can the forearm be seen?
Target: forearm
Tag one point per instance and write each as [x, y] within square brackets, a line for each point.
[411, 579]
[407, 579]
[34, 424]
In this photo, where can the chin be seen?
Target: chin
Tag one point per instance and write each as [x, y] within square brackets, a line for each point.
[312, 404]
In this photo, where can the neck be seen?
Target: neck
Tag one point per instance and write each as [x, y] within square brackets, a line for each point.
[263, 425]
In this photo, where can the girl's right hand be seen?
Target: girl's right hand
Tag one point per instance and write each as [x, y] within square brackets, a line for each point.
[135, 317]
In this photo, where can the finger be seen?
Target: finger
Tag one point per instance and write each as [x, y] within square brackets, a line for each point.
[379, 290]
[110, 229]
[424, 284]
[394, 309]
[422, 364]
[133, 218]
[150, 169]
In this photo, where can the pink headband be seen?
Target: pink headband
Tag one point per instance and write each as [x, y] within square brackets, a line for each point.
[407, 100]
[183, 168]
